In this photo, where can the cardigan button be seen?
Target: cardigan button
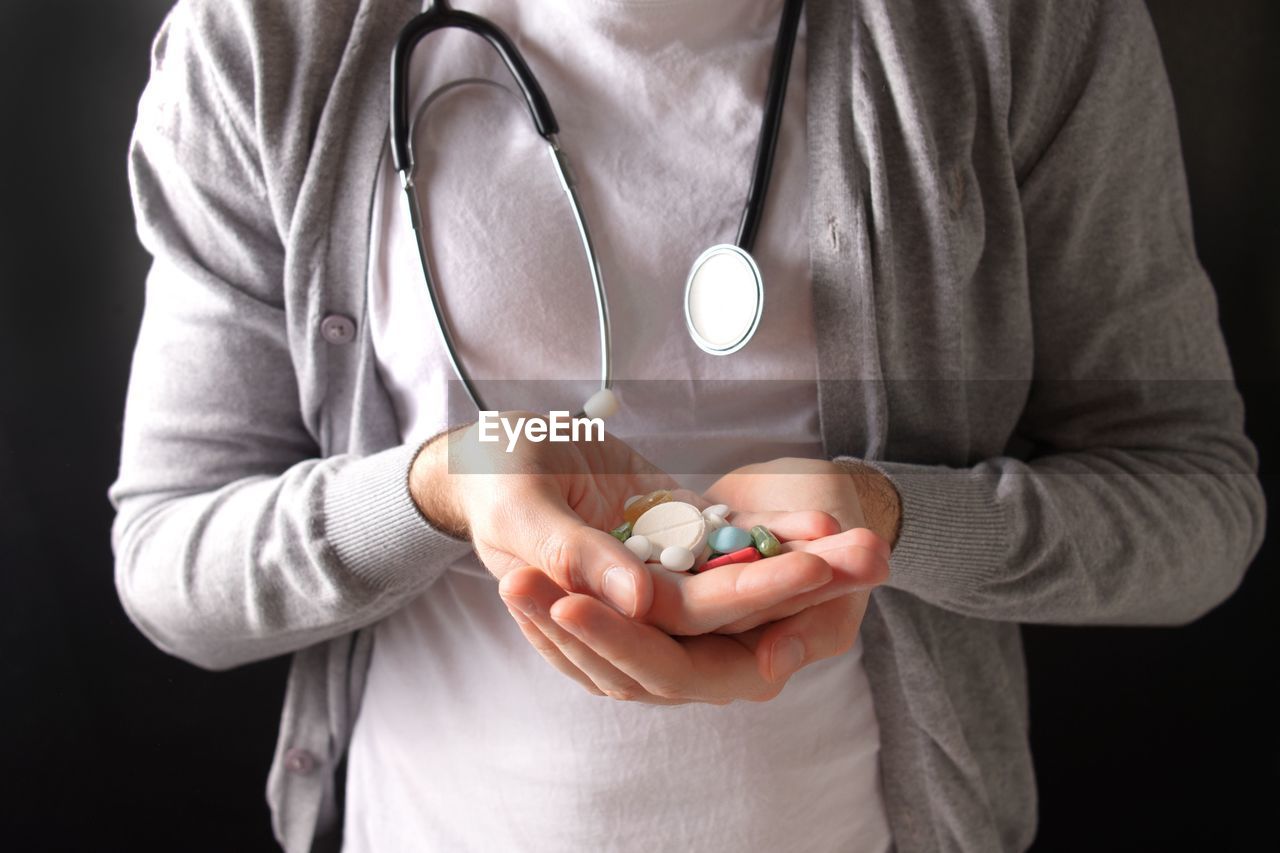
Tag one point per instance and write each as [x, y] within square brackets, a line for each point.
[337, 329]
[299, 761]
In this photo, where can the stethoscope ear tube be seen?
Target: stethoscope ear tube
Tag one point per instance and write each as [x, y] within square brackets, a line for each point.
[438, 17]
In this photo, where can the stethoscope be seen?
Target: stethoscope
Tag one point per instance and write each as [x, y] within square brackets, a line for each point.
[724, 293]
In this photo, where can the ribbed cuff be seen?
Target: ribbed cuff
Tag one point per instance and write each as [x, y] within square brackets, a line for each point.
[375, 528]
[954, 530]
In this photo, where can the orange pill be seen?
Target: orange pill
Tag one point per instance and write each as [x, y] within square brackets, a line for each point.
[646, 503]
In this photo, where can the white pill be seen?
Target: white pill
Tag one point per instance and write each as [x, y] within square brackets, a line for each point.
[627, 504]
[721, 510]
[714, 522]
[673, 523]
[677, 559]
[640, 546]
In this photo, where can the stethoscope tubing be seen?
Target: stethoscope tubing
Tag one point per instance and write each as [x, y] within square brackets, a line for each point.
[441, 16]
[438, 17]
[597, 280]
[770, 125]
[564, 172]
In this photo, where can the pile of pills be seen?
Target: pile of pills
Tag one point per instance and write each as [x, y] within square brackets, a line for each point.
[657, 528]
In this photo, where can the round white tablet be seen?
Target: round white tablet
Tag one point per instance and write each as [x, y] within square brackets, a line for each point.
[640, 546]
[721, 510]
[673, 523]
[677, 559]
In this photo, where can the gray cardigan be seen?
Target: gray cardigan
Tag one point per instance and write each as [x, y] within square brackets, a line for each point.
[1011, 323]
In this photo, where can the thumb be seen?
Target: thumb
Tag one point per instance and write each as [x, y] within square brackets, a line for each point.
[584, 560]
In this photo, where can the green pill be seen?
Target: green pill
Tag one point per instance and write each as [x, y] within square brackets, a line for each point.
[766, 543]
[623, 531]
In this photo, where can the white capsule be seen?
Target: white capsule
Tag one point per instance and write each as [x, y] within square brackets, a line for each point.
[721, 510]
[677, 559]
[640, 546]
[714, 523]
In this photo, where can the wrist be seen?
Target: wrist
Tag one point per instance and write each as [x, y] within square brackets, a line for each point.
[434, 489]
[879, 499]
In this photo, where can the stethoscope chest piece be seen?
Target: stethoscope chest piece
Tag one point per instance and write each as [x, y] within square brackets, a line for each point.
[723, 299]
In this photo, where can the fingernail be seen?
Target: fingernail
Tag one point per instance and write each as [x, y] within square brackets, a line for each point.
[620, 590]
[786, 658]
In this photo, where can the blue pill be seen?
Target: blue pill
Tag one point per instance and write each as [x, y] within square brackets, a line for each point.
[726, 540]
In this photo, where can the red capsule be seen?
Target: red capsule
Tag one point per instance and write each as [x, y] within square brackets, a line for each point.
[746, 555]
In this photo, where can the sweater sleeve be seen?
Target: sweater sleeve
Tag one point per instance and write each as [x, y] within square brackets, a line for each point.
[233, 540]
[1140, 501]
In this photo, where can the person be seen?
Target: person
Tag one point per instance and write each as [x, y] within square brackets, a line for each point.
[987, 343]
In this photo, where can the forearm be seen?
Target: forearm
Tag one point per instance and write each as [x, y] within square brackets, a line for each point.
[1141, 502]
[267, 565]
[432, 488]
[244, 530]
[1104, 536]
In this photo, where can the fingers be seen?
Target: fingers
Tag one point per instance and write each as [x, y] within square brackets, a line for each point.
[531, 595]
[610, 654]
[740, 596]
[697, 604]
[547, 534]
[822, 631]
[710, 668]
[858, 559]
[809, 524]
[522, 611]
[858, 554]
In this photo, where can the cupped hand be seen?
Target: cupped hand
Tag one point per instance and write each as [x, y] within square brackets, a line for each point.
[629, 660]
[862, 506]
[750, 658]
[818, 562]
[815, 508]
[854, 494]
[545, 504]
[548, 505]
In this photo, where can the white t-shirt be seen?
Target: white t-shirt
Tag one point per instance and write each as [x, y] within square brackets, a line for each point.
[467, 739]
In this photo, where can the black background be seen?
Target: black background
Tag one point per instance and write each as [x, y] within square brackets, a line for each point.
[1151, 739]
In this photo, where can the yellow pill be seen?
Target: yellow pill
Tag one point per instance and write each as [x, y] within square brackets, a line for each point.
[638, 508]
